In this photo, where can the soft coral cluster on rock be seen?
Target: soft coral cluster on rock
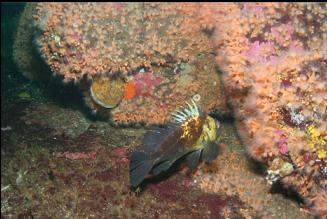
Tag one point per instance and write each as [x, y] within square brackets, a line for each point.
[79, 43]
[273, 56]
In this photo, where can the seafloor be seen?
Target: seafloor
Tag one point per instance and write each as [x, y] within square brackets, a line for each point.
[59, 162]
[38, 181]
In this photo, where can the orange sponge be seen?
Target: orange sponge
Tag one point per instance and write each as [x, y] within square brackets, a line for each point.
[130, 91]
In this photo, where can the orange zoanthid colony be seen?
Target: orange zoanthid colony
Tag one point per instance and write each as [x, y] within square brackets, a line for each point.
[274, 62]
[161, 54]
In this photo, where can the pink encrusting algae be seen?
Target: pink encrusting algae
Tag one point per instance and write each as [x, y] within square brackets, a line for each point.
[145, 83]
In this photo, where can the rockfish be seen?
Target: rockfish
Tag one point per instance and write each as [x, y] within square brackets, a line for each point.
[190, 133]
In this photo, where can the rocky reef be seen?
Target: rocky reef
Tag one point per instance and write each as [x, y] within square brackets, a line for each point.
[143, 67]
[273, 56]
[272, 59]
[55, 156]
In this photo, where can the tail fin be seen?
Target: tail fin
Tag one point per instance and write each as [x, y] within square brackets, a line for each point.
[140, 166]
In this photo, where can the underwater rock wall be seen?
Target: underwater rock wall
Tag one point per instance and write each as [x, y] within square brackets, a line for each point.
[136, 62]
[24, 53]
[142, 59]
[274, 59]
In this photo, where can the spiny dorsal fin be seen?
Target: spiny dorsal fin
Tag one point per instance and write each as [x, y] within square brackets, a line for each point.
[187, 112]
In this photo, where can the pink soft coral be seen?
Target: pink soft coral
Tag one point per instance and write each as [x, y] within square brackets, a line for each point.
[283, 145]
[252, 7]
[282, 33]
[260, 51]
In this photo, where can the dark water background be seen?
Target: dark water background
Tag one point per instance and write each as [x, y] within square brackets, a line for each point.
[11, 79]
[14, 86]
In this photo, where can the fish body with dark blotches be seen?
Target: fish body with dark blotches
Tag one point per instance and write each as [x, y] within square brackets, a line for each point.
[191, 133]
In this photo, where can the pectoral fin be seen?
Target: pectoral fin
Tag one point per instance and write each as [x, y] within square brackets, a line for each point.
[210, 151]
[193, 159]
[163, 166]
